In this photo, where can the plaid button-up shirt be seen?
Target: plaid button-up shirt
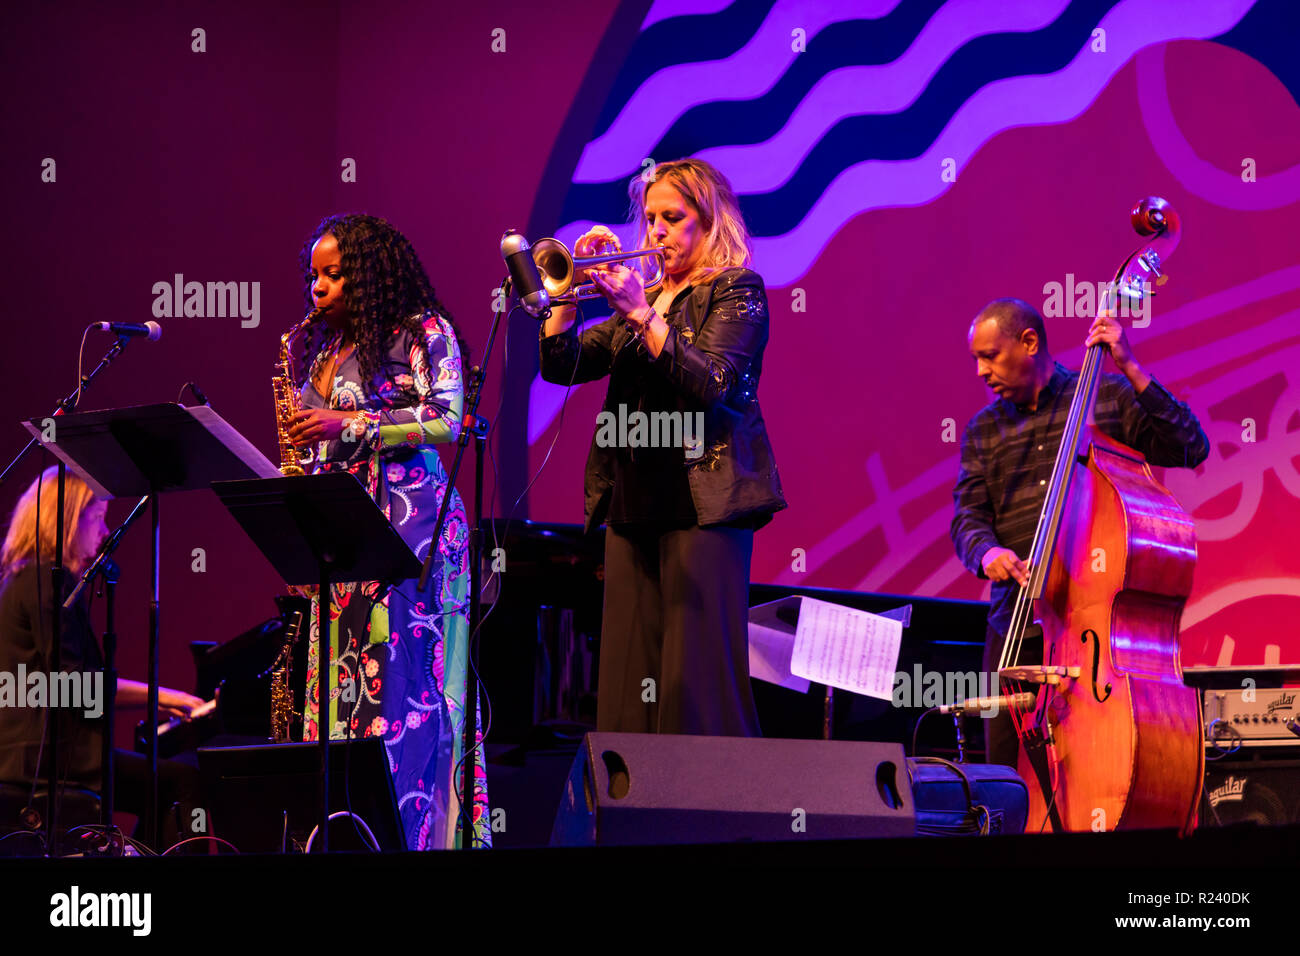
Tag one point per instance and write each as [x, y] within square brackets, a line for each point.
[1007, 455]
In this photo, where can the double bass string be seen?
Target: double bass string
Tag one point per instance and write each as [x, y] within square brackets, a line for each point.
[1044, 535]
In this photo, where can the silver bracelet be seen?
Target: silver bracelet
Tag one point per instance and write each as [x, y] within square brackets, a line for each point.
[641, 330]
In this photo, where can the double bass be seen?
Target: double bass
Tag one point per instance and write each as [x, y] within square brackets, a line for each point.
[1113, 738]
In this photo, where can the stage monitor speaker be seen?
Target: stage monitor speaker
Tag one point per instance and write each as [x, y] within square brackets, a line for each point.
[1263, 791]
[629, 789]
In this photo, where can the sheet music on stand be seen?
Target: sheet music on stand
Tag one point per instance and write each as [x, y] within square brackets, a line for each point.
[127, 452]
[800, 640]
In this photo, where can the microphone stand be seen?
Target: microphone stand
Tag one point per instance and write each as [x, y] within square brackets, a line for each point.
[56, 582]
[70, 402]
[103, 560]
[957, 715]
[478, 428]
[106, 800]
[105, 566]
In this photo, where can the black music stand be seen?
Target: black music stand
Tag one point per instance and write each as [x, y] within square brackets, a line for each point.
[145, 451]
[321, 530]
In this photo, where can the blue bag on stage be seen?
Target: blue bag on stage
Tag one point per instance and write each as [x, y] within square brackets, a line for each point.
[953, 799]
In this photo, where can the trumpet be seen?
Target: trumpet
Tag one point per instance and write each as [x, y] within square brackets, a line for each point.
[558, 267]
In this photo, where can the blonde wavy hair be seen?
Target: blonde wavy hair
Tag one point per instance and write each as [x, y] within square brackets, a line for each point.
[709, 194]
[19, 548]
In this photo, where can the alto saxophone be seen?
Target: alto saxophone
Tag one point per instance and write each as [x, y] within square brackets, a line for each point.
[287, 403]
[282, 713]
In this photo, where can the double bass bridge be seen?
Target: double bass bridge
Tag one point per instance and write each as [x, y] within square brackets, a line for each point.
[1053, 674]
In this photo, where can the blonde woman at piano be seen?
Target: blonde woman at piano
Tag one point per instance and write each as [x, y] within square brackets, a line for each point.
[25, 642]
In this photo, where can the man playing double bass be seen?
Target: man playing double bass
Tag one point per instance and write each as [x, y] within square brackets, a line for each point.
[1009, 448]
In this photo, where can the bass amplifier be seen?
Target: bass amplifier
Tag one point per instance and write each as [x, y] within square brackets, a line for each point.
[1255, 717]
[1252, 706]
[1257, 788]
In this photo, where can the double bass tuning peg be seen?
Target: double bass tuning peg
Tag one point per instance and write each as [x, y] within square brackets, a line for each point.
[1153, 215]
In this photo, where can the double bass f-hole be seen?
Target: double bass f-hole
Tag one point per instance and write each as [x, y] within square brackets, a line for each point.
[1096, 664]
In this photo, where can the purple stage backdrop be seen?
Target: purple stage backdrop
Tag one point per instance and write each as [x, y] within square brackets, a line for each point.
[900, 163]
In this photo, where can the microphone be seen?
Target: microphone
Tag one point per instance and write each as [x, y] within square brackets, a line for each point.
[150, 330]
[990, 703]
[524, 277]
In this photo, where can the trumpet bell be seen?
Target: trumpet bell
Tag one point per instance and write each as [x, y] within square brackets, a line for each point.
[555, 264]
[557, 267]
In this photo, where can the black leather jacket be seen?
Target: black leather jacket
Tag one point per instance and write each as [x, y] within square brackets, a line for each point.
[713, 357]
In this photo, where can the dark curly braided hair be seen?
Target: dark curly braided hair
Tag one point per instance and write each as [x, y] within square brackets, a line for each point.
[387, 291]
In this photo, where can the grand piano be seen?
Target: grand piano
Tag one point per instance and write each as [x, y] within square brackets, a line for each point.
[241, 669]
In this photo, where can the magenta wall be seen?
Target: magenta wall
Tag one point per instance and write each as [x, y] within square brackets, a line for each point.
[217, 165]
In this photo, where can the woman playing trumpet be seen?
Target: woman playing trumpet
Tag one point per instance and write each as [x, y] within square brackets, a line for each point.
[680, 521]
[384, 388]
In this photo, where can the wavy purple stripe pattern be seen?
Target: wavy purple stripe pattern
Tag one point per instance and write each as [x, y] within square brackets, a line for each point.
[748, 73]
[667, 9]
[864, 90]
